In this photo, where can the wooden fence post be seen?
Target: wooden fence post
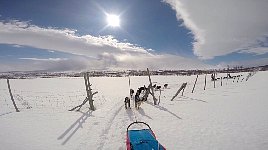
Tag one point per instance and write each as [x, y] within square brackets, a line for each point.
[151, 87]
[194, 83]
[89, 91]
[159, 97]
[11, 96]
[181, 88]
[205, 82]
[221, 81]
[89, 97]
[214, 80]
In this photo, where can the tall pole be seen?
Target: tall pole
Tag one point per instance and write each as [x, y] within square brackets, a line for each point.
[205, 82]
[130, 97]
[194, 84]
[11, 96]
[214, 79]
[183, 90]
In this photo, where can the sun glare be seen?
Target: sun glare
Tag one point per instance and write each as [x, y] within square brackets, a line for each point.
[113, 20]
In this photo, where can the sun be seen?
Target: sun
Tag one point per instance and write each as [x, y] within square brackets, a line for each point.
[113, 20]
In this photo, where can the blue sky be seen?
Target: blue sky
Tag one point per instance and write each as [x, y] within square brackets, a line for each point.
[73, 35]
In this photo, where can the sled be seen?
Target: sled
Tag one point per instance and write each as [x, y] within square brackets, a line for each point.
[142, 139]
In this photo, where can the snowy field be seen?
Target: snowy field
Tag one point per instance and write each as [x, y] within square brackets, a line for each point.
[233, 116]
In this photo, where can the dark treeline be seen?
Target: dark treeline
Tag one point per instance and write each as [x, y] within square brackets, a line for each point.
[38, 74]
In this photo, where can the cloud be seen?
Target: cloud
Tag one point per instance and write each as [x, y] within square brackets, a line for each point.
[248, 63]
[46, 59]
[104, 61]
[260, 47]
[64, 40]
[152, 61]
[17, 46]
[256, 50]
[90, 52]
[224, 27]
[50, 64]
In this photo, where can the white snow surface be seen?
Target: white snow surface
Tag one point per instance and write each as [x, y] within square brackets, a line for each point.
[233, 116]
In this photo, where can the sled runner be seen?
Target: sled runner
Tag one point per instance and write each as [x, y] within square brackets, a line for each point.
[142, 139]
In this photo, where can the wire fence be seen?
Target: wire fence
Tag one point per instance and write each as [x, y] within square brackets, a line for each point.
[42, 100]
[26, 99]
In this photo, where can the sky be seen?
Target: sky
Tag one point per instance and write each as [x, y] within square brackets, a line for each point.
[74, 35]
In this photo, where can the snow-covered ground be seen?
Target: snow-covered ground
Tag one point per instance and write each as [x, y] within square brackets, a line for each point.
[231, 116]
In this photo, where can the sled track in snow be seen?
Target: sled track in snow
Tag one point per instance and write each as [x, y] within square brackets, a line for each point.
[113, 128]
[109, 124]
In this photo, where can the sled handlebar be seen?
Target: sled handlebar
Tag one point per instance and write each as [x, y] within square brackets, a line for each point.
[138, 122]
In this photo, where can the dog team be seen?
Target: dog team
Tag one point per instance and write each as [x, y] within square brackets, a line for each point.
[138, 99]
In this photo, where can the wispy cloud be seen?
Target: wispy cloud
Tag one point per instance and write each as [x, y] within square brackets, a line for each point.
[44, 59]
[224, 27]
[50, 64]
[17, 46]
[248, 63]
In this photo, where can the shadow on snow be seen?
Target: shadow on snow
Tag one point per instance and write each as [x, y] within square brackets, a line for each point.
[75, 126]
[164, 109]
[185, 98]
